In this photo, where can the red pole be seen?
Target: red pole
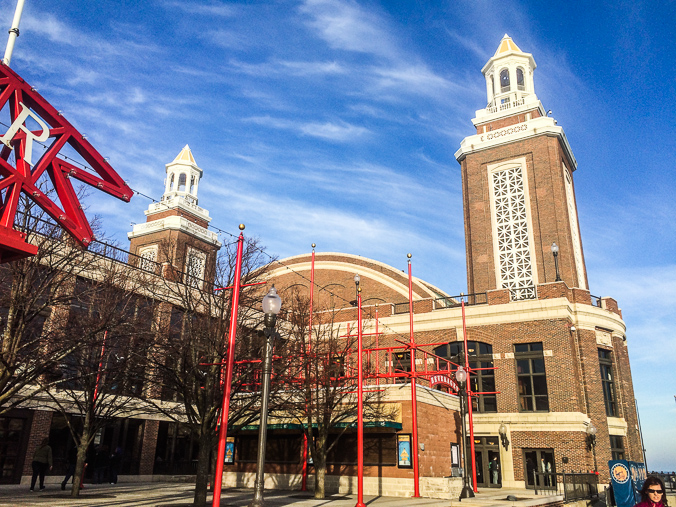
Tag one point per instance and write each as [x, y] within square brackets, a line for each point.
[223, 431]
[98, 372]
[360, 410]
[377, 351]
[303, 486]
[414, 401]
[469, 397]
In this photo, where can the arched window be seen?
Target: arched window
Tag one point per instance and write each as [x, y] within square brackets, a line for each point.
[181, 183]
[520, 83]
[192, 184]
[480, 356]
[504, 80]
[171, 183]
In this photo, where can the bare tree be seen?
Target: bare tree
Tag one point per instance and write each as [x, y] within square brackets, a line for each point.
[35, 296]
[320, 375]
[189, 354]
[109, 333]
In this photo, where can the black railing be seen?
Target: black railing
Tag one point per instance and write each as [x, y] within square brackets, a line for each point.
[668, 478]
[453, 302]
[596, 301]
[573, 486]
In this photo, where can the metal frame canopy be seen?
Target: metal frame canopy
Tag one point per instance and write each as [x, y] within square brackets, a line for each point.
[24, 102]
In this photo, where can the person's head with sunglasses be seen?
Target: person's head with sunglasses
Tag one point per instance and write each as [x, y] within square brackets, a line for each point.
[652, 492]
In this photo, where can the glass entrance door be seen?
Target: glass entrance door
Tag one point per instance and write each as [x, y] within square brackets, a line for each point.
[540, 468]
[487, 460]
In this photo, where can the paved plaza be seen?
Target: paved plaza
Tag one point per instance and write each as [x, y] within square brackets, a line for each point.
[159, 494]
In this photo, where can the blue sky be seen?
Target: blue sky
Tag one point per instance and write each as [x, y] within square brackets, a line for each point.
[335, 122]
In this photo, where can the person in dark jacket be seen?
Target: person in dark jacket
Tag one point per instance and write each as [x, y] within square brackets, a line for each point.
[72, 461]
[115, 463]
[652, 493]
[42, 460]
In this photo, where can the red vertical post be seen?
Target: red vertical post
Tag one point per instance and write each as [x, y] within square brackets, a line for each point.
[223, 431]
[303, 486]
[414, 401]
[377, 351]
[98, 372]
[469, 397]
[360, 410]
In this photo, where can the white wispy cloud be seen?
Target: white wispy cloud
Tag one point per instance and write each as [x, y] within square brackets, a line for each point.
[333, 131]
[203, 9]
[346, 25]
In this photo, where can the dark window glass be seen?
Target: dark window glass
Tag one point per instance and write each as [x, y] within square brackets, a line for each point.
[483, 377]
[279, 448]
[607, 382]
[402, 364]
[519, 79]
[504, 80]
[379, 449]
[531, 377]
[616, 447]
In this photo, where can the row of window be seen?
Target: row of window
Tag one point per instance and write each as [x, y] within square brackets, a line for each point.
[530, 372]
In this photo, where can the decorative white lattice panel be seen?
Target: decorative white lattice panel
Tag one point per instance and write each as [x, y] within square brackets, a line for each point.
[511, 228]
[194, 267]
[148, 258]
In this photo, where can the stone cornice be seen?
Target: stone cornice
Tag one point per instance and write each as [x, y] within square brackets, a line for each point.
[178, 224]
[521, 131]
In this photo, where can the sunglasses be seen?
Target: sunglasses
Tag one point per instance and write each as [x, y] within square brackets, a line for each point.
[656, 491]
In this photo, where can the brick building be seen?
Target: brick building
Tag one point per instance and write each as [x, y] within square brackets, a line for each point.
[553, 358]
[560, 355]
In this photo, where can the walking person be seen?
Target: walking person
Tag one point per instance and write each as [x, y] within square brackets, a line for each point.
[42, 460]
[72, 461]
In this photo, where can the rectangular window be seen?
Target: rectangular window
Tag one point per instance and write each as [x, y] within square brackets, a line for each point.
[616, 447]
[279, 448]
[401, 364]
[379, 449]
[606, 364]
[531, 377]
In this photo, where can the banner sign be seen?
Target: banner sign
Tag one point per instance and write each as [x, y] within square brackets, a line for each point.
[444, 380]
[404, 451]
[626, 478]
[229, 451]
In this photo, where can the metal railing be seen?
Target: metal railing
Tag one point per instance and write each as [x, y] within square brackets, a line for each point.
[453, 302]
[668, 478]
[595, 301]
[573, 486]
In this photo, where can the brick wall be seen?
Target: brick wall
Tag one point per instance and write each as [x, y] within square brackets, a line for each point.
[148, 446]
[42, 421]
[549, 214]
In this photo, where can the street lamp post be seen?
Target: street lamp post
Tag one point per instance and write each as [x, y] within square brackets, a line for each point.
[555, 253]
[360, 403]
[272, 303]
[461, 377]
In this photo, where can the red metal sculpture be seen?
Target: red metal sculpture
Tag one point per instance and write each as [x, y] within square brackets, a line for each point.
[55, 132]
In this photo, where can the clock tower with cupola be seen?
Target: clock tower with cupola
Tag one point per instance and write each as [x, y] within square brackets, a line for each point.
[176, 231]
[517, 176]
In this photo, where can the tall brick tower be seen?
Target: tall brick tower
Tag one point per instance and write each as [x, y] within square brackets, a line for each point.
[175, 233]
[517, 176]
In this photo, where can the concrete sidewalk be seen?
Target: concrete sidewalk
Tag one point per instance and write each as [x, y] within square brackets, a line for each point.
[160, 494]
